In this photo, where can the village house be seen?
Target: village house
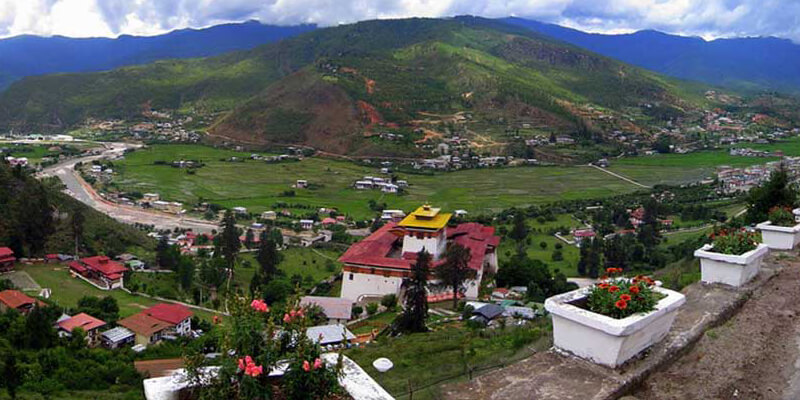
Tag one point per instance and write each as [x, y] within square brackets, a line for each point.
[15, 300]
[166, 206]
[392, 215]
[338, 310]
[301, 184]
[329, 335]
[377, 265]
[150, 197]
[306, 224]
[7, 259]
[154, 323]
[100, 270]
[240, 210]
[269, 215]
[90, 325]
[582, 234]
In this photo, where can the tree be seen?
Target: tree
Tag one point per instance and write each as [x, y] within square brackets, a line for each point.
[455, 270]
[249, 238]
[105, 308]
[389, 301]
[167, 256]
[229, 239]
[12, 376]
[595, 257]
[777, 191]
[186, 272]
[77, 222]
[39, 328]
[268, 258]
[415, 312]
[521, 270]
[520, 230]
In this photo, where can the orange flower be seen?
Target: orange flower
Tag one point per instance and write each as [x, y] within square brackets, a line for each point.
[634, 289]
[621, 304]
[603, 285]
[613, 289]
[611, 270]
[625, 297]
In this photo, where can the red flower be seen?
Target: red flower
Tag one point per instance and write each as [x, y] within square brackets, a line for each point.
[634, 289]
[306, 366]
[603, 285]
[621, 304]
[317, 364]
[613, 289]
[625, 297]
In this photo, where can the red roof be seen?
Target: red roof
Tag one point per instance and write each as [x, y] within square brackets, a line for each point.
[328, 221]
[51, 256]
[6, 254]
[15, 298]
[104, 265]
[143, 324]
[83, 321]
[583, 233]
[77, 266]
[169, 312]
[376, 248]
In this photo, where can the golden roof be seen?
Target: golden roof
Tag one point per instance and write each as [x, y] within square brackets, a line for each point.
[426, 217]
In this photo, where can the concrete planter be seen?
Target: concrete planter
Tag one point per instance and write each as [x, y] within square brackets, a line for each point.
[779, 237]
[734, 270]
[605, 340]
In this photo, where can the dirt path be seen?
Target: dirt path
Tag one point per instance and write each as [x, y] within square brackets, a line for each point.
[752, 356]
[620, 177]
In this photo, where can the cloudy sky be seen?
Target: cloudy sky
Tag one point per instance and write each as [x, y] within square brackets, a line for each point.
[706, 18]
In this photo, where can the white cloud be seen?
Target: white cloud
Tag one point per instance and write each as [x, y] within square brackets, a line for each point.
[707, 18]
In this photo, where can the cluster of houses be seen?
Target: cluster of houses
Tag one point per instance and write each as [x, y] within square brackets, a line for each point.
[17, 161]
[733, 180]
[101, 271]
[383, 184]
[153, 200]
[747, 152]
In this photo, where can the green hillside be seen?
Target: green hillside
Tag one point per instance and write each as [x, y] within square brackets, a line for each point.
[333, 87]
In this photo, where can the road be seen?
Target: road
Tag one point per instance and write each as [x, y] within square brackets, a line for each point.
[80, 190]
[631, 181]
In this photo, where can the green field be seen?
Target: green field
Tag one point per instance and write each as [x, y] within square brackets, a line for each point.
[303, 261]
[258, 185]
[66, 290]
[569, 265]
[676, 169]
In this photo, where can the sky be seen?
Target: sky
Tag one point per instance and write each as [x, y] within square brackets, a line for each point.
[110, 18]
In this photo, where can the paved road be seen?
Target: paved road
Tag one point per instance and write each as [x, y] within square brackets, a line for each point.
[631, 181]
[81, 191]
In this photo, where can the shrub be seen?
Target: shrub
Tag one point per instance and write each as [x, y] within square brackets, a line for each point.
[781, 216]
[372, 308]
[389, 301]
[357, 311]
[622, 297]
[735, 242]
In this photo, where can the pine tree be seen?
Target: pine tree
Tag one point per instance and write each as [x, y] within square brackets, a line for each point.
[520, 230]
[12, 376]
[455, 270]
[778, 191]
[249, 239]
[415, 312]
[229, 241]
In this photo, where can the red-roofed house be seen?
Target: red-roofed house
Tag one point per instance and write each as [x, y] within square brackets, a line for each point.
[6, 259]
[178, 316]
[16, 300]
[88, 323]
[377, 265]
[101, 270]
[148, 330]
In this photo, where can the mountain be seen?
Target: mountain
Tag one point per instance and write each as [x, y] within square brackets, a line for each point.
[335, 88]
[764, 63]
[27, 55]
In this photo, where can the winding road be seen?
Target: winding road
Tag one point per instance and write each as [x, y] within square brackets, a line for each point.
[83, 192]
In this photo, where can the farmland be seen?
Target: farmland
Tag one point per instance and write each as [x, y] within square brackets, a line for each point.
[258, 185]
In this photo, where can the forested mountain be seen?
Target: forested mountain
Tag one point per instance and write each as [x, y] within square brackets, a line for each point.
[330, 88]
[28, 55]
[741, 63]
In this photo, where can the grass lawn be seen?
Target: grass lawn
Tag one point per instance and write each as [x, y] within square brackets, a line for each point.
[377, 321]
[258, 185]
[303, 261]
[425, 359]
[66, 291]
[790, 147]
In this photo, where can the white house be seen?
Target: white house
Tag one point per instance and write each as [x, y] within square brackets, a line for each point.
[306, 224]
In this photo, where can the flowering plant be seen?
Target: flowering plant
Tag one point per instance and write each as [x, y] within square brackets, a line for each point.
[619, 297]
[781, 216]
[736, 242]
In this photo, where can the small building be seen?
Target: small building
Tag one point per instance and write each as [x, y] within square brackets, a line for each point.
[147, 329]
[90, 325]
[240, 210]
[269, 215]
[328, 221]
[487, 313]
[337, 309]
[363, 185]
[166, 206]
[178, 316]
[306, 224]
[150, 197]
[15, 300]
[301, 184]
[101, 270]
[393, 215]
[117, 337]
[582, 234]
[390, 188]
[7, 259]
[329, 334]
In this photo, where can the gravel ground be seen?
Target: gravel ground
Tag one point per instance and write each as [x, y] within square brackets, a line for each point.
[752, 356]
[21, 279]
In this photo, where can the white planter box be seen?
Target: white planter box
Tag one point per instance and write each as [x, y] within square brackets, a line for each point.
[605, 340]
[779, 237]
[728, 268]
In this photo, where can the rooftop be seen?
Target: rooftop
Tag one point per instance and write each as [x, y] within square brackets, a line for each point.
[327, 334]
[83, 321]
[104, 265]
[169, 312]
[117, 334]
[143, 324]
[426, 217]
[15, 298]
